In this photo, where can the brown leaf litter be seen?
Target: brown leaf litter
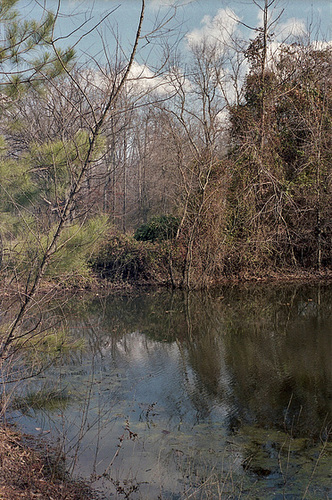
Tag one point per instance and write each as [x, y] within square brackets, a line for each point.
[28, 472]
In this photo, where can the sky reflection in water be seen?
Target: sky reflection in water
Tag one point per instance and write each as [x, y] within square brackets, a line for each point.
[227, 390]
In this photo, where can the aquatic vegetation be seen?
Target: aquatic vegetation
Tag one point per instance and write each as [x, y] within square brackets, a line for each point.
[46, 399]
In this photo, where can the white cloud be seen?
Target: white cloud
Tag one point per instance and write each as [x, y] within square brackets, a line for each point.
[143, 80]
[215, 31]
[260, 16]
[141, 71]
[320, 45]
[292, 27]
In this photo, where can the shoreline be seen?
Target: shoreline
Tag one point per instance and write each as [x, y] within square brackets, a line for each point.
[31, 468]
[97, 284]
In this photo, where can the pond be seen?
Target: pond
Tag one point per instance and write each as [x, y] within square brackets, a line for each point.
[204, 395]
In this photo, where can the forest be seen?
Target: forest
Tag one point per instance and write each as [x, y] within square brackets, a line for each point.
[213, 167]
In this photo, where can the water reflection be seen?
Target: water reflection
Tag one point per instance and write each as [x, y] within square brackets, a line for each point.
[264, 352]
[217, 382]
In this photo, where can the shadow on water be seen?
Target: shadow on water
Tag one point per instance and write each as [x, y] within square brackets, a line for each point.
[211, 395]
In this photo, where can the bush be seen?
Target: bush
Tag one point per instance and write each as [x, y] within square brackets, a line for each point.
[122, 258]
[163, 227]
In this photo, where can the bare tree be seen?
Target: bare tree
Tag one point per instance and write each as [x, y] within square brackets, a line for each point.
[196, 119]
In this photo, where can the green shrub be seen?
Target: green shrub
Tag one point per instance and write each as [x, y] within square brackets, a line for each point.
[159, 228]
[121, 258]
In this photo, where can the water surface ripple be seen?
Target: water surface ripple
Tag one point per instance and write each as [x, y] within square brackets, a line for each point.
[216, 395]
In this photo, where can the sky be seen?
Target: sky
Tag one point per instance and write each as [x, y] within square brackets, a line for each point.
[188, 21]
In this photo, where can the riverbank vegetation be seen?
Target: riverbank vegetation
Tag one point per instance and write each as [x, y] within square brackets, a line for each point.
[211, 168]
[238, 182]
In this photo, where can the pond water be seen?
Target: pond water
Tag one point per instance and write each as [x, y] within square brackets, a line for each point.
[171, 396]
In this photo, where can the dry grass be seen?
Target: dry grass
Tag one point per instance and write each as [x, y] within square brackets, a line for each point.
[28, 471]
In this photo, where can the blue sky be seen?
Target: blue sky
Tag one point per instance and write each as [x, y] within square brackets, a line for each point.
[194, 17]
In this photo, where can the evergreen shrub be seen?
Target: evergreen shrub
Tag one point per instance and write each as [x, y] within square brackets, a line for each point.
[159, 228]
[123, 258]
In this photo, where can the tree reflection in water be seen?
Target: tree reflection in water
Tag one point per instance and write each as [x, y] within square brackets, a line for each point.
[239, 372]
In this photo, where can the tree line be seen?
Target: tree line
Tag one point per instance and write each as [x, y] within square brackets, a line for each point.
[220, 161]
